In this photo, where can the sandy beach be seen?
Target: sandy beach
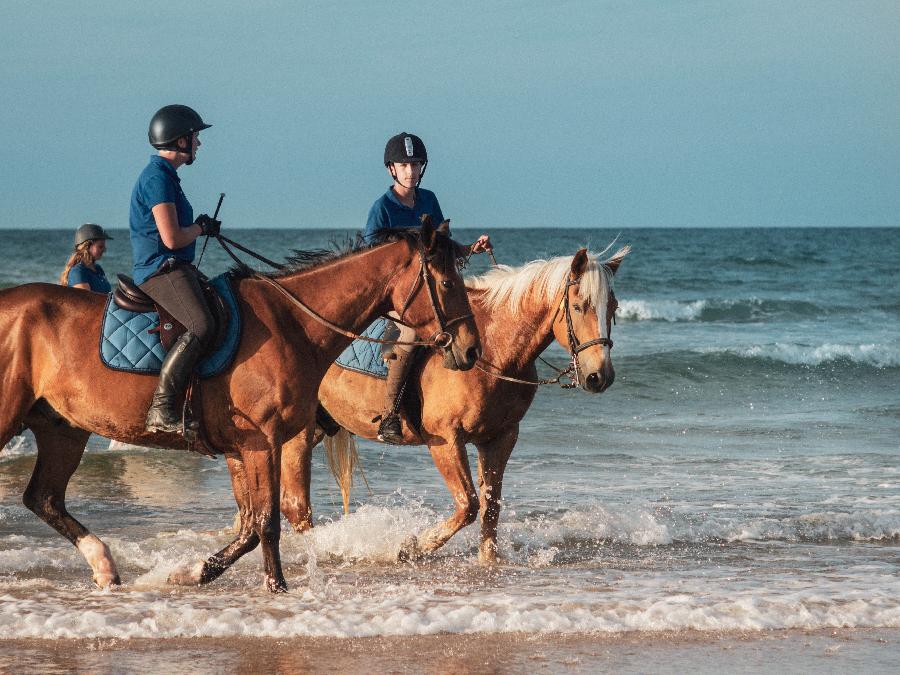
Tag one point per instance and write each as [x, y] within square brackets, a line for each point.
[822, 651]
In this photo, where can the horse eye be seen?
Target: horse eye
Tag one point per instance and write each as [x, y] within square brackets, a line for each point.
[576, 307]
[447, 284]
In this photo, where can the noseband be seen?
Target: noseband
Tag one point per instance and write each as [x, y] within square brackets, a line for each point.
[443, 339]
[575, 347]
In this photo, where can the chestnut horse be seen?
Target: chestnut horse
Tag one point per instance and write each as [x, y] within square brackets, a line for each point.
[519, 311]
[52, 380]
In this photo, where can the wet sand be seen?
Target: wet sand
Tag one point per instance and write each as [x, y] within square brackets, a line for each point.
[794, 651]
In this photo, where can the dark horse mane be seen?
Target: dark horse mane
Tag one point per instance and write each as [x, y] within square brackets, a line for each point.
[302, 260]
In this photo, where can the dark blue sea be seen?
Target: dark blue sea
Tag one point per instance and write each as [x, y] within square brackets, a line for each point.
[743, 472]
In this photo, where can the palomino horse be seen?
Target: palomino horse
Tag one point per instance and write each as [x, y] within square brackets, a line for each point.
[519, 311]
[52, 380]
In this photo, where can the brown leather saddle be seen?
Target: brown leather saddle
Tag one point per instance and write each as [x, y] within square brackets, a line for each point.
[128, 296]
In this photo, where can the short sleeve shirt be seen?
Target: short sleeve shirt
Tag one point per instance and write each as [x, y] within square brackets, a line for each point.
[94, 278]
[157, 184]
[389, 213]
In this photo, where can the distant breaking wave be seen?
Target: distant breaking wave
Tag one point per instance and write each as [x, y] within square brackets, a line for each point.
[741, 310]
[877, 355]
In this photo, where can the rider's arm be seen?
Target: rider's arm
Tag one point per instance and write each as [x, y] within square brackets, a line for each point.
[172, 235]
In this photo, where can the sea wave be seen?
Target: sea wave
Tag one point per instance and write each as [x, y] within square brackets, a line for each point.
[742, 310]
[867, 354]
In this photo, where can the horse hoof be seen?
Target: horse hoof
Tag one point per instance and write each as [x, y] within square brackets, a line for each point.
[409, 550]
[104, 581]
[276, 585]
[186, 575]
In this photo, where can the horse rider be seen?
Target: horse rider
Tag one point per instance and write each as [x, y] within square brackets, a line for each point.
[403, 206]
[163, 236]
[83, 269]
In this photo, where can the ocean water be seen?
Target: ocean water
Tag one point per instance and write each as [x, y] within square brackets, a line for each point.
[743, 472]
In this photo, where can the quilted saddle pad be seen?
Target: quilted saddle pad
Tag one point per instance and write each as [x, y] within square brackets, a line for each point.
[365, 357]
[126, 344]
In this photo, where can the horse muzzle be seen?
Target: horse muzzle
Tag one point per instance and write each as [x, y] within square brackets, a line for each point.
[598, 381]
[458, 357]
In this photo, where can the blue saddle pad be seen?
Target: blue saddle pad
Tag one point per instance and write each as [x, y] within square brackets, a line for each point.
[126, 345]
[365, 357]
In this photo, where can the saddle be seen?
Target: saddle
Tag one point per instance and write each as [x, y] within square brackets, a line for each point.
[128, 296]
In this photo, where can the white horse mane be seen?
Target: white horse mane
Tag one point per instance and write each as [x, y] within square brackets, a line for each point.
[508, 287]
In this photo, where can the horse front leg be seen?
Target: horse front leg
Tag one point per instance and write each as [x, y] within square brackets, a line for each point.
[492, 458]
[296, 467]
[60, 448]
[246, 540]
[452, 461]
[263, 470]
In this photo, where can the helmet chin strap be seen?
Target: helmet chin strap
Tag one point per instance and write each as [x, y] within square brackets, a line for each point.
[189, 152]
[418, 182]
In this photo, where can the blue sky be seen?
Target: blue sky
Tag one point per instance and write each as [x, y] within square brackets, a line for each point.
[553, 114]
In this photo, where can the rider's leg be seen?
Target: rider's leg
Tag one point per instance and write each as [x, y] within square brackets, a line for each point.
[179, 292]
[390, 430]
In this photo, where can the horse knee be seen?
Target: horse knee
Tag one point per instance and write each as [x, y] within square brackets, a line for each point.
[470, 515]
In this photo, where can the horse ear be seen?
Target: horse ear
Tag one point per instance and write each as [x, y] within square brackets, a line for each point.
[428, 238]
[614, 262]
[444, 226]
[579, 264]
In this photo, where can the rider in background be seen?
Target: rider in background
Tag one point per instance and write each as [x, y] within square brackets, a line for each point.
[403, 206]
[163, 236]
[82, 270]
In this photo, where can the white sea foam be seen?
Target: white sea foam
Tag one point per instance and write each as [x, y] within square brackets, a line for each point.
[18, 447]
[660, 310]
[871, 354]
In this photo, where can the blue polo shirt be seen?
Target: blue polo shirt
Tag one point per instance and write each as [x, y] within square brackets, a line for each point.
[389, 213]
[158, 184]
[95, 278]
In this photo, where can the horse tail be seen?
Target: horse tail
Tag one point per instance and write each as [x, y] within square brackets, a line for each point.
[342, 456]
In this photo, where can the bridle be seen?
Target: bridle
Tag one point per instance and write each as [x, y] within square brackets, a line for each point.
[442, 339]
[576, 347]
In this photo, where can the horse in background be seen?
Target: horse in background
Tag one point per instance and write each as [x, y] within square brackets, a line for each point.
[52, 379]
[519, 312]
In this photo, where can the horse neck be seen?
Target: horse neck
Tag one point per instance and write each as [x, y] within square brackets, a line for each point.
[349, 292]
[513, 340]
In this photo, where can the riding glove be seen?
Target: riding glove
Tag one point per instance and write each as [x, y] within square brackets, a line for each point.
[209, 227]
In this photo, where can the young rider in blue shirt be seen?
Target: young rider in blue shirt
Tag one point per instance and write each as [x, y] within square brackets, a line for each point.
[403, 206]
[82, 269]
[163, 236]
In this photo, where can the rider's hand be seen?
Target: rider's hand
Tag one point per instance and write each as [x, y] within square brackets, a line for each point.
[209, 227]
[482, 244]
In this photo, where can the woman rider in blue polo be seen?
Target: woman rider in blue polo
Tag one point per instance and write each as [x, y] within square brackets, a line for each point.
[401, 207]
[83, 269]
[163, 235]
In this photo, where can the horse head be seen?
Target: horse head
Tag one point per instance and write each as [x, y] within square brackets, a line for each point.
[584, 321]
[431, 297]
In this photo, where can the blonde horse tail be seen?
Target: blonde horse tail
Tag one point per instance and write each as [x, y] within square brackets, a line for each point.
[342, 456]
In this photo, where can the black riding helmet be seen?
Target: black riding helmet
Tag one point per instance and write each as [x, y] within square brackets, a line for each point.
[171, 123]
[405, 148]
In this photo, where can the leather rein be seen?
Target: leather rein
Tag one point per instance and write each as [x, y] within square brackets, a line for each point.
[442, 339]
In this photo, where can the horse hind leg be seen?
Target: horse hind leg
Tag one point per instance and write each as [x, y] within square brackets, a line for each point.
[60, 448]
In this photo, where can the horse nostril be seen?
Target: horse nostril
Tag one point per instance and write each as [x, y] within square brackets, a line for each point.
[472, 354]
[592, 381]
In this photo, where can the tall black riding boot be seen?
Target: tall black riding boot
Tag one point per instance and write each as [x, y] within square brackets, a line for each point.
[165, 413]
[390, 430]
